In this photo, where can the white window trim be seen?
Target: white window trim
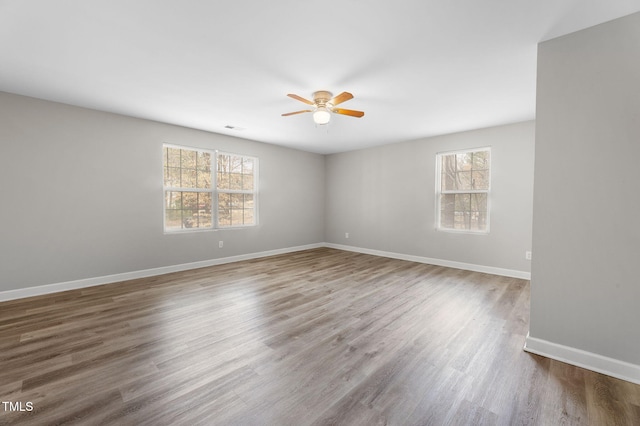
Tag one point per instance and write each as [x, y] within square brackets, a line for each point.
[213, 191]
[439, 191]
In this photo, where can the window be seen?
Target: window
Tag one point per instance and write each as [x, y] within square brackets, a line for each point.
[462, 190]
[236, 190]
[208, 190]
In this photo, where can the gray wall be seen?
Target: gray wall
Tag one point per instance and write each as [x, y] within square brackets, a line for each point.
[586, 238]
[82, 195]
[384, 198]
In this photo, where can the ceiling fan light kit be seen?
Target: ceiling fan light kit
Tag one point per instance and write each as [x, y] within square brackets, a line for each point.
[324, 104]
[321, 115]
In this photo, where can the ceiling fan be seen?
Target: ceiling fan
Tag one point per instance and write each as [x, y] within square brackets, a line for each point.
[324, 104]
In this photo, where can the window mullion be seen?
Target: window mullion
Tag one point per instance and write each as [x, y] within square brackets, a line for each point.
[470, 191]
[178, 189]
[214, 189]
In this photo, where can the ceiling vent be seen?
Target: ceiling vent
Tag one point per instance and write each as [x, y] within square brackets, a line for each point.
[230, 127]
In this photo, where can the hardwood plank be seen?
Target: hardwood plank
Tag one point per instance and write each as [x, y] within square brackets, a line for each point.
[316, 337]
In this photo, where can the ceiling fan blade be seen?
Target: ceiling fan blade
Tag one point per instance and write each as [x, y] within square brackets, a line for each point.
[349, 112]
[342, 97]
[301, 99]
[296, 112]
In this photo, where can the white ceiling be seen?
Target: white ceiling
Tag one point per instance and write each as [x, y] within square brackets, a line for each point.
[416, 67]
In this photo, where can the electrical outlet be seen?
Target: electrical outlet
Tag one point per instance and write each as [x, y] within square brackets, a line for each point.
[220, 244]
[527, 255]
[346, 235]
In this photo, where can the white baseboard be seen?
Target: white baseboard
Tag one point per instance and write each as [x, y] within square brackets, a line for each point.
[594, 362]
[108, 279]
[439, 262]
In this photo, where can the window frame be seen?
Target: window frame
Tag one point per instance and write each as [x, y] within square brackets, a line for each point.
[213, 191]
[439, 192]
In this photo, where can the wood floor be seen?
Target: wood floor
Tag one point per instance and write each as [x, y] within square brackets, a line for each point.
[320, 337]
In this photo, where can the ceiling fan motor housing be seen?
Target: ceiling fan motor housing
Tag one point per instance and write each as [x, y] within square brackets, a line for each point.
[322, 97]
